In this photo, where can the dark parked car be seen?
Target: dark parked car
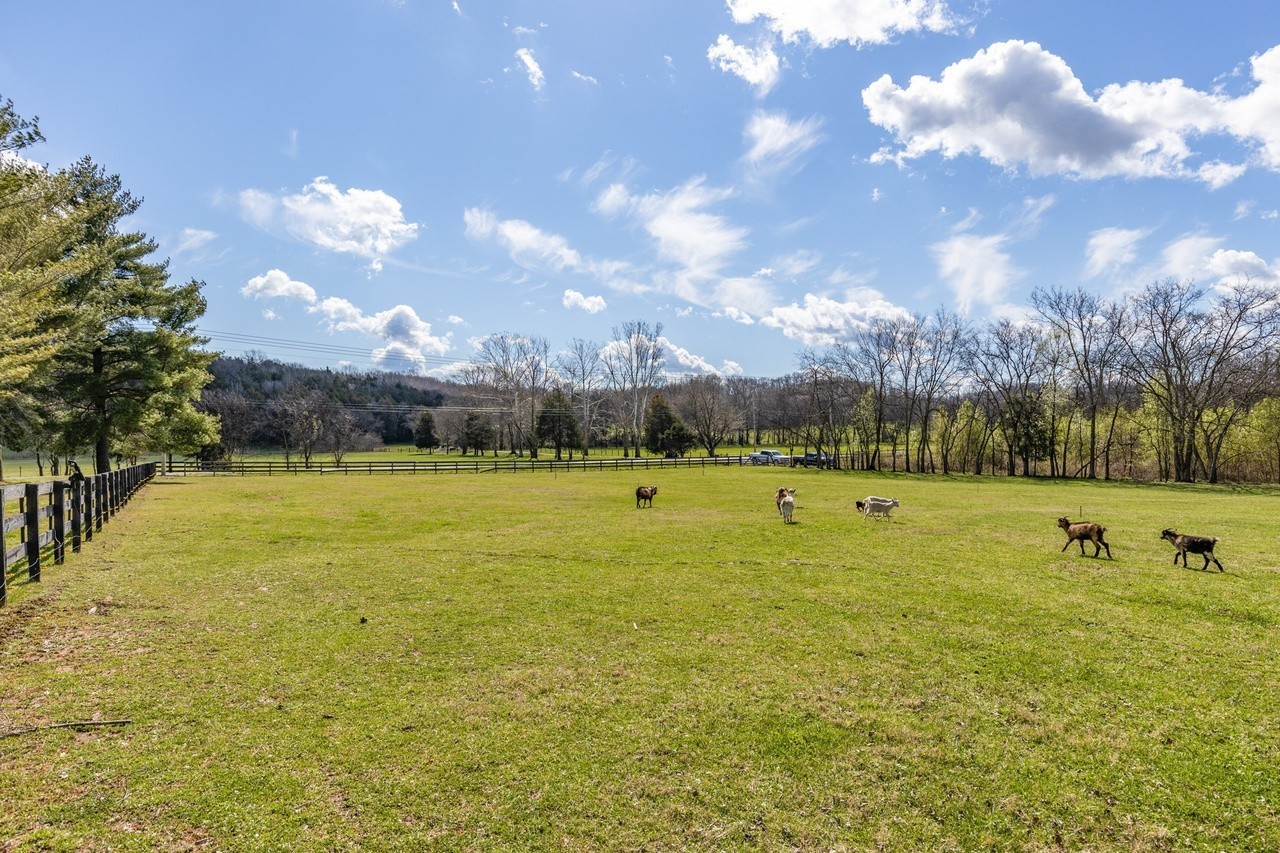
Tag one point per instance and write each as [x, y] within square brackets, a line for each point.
[815, 460]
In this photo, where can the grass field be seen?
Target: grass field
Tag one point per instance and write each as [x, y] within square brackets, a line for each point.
[530, 662]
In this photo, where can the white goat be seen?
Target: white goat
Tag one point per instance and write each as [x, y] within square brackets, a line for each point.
[873, 506]
[787, 504]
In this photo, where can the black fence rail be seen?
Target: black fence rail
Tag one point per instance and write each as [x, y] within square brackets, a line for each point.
[38, 519]
[478, 465]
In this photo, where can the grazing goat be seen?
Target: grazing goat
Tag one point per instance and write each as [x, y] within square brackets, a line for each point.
[1184, 544]
[873, 507]
[645, 493]
[1082, 530]
[787, 504]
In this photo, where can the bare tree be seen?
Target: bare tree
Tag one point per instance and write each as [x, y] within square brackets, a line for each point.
[1193, 361]
[581, 368]
[518, 368]
[708, 410]
[633, 364]
[1010, 368]
[1092, 331]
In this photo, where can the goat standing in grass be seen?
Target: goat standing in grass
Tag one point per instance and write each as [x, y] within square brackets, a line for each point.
[779, 495]
[645, 493]
[1080, 531]
[787, 504]
[874, 507]
[1184, 544]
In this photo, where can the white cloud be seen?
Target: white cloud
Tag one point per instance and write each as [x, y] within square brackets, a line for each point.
[775, 142]
[276, 284]
[1202, 258]
[760, 67]
[455, 320]
[686, 359]
[590, 304]
[531, 68]
[528, 245]
[366, 223]
[1253, 115]
[977, 269]
[405, 336]
[857, 22]
[585, 78]
[699, 243]
[823, 321]
[192, 240]
[1112, 249]
[1019, 106]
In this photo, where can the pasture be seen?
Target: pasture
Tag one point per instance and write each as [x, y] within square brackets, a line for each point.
[529, 661]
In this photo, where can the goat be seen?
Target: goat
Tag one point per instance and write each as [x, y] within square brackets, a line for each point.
[779, 495]
[1182, 544]
[1082, 530]
[873, 506]
[787, 504]
[861, 506]
[645, 493]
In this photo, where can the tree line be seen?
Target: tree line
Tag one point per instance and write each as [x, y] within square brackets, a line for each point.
[98, 349]
[1172, 381]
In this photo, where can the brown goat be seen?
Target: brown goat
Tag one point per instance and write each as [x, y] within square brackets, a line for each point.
[779, 495]
[645, 493]
[1082, 530]
[1184, 544]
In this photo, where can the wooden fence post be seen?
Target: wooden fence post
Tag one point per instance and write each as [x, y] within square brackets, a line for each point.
[77, 512]
[31, 506]
[59, 522]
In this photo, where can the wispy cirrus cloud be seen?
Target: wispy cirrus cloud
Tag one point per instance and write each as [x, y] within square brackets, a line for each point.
[532, 69]
[1111, 250]
[775, 142]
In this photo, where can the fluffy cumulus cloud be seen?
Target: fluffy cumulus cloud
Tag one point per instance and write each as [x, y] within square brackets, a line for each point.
[858, 22]
[758, 66]
[591, 304]
[367, 223]
[1203, 258]
[405, 337]
[1021, 107]
[276, 284]
[775, 142]
[822, 321]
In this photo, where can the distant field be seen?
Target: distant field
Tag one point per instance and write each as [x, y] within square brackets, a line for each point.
[528, 661]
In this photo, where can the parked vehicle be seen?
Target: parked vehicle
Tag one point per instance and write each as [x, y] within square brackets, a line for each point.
[815, 460]
[767, 457]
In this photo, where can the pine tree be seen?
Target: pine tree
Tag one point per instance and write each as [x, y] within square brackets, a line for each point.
[557, 425]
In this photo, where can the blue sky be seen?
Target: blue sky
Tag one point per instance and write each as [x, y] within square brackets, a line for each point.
[384, 182]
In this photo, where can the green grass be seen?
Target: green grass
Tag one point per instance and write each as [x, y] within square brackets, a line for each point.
[528, 661]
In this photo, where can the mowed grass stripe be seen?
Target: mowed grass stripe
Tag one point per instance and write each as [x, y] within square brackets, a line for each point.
[498, 661]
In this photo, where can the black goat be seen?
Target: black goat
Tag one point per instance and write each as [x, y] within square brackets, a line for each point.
[1184, 544]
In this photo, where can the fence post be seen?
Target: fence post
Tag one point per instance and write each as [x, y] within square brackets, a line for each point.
[59, 521]
[99, 499]
[77, 512]
[31, 505]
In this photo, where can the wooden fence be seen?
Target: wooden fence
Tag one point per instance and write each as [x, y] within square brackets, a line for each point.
[41, 517]
[477, 465]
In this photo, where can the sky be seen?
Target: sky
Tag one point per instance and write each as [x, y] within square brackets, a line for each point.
[375, 184]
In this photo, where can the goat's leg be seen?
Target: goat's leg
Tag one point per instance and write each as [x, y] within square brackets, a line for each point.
[1081, 541]
[1108, 547]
